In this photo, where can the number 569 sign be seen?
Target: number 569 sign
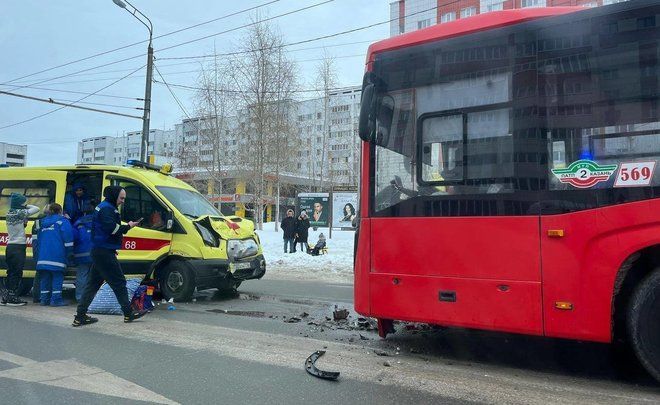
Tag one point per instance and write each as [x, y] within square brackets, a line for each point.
[635, 174]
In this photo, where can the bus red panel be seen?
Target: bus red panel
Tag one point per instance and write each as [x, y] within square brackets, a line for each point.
[481, 304]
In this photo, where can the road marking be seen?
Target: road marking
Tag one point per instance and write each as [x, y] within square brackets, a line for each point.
[71, 374]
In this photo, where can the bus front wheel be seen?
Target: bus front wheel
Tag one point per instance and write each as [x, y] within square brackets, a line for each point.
[643, 325]
[177, 281]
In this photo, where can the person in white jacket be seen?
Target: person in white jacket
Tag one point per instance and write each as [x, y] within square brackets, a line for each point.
[17, 218]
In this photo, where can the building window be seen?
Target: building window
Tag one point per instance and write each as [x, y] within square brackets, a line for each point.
[532, 3]
[447, 17]
[468, 12]
[487, 6]
[15, 156]
[423, 23]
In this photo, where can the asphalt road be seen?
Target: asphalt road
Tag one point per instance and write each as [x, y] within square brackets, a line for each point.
[251, 348]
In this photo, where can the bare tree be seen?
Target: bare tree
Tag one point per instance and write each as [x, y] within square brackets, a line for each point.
[214, 107]
[326, 80]
[267, 80]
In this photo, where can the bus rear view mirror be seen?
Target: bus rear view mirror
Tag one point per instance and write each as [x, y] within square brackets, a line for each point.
[367, 124]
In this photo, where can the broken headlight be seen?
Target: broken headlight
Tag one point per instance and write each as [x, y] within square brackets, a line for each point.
[241, 248]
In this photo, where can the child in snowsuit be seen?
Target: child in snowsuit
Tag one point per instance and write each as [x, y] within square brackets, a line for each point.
[82, 248]
[55, 247]
[319, 245]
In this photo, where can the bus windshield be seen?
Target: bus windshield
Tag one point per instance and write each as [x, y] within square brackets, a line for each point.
[189, 203]
[495, 122]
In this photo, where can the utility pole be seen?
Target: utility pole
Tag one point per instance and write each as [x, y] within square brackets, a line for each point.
[150, 65]
[147, 102]
[330, 199]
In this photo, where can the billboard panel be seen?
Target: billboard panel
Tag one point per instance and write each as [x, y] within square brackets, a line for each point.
[317, 206]
[344, 208]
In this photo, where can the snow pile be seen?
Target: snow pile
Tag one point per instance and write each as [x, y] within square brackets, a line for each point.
[335, 266]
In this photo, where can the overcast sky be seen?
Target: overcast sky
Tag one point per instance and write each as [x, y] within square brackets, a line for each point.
[38, 34]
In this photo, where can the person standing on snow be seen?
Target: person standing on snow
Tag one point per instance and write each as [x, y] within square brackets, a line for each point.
[82, 248]
[55, 250]
[75, 202]
[302, 230]
[17, 218]
[289, 230]
[107, 235]
[36, 229]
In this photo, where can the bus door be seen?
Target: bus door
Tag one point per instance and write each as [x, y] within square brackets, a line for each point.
[150, 241]
[455, 234]
[41, 187]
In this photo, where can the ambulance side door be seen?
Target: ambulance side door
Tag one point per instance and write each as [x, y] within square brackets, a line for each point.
[151, 239]
[41, 187]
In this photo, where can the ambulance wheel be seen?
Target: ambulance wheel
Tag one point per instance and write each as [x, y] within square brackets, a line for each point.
[643, 325]
[24, 286]
[177, 281]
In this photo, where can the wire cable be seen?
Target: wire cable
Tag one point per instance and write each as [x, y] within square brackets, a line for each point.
[144, 41]
[65, 106]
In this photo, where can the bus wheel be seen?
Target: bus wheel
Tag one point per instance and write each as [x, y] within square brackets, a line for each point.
[643, 325]
[177, 281]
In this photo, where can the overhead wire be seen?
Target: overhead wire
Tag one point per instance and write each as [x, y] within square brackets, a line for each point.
[179, 44]
[144, 41]
[65, 106]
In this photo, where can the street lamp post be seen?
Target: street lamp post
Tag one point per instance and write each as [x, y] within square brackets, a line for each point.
[147, 87]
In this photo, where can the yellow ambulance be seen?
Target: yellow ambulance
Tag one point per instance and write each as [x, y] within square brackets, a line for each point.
[183, 242]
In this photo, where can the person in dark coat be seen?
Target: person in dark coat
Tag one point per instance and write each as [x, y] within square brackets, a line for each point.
[36, 228]
[107, 235]
[75, 202]
[55, 251]
[289, 230]
[302, 231]
[82, 248]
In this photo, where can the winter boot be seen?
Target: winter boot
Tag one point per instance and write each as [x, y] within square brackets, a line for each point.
[44, 298]
[83, 320]
[11, 300]
[56, 300]
[134, 315]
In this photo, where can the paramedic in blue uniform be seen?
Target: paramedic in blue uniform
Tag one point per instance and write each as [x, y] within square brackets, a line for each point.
[107, 234]
[55, 250]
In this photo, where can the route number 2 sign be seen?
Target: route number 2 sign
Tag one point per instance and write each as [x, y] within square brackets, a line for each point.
[635, 174]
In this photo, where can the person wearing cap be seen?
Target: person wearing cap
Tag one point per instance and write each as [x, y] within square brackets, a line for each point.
[107, 235]
[289, 230]
[316, 250]
[55, 252]
[17, 218]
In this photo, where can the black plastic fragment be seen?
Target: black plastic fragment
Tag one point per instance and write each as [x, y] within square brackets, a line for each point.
[310, 367]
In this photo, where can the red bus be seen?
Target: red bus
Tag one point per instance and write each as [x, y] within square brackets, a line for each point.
[509, 178]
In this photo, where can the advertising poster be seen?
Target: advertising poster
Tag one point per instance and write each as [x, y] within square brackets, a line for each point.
[317, 206]
[344, 209]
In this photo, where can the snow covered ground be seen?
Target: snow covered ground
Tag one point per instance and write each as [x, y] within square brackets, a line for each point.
[336, 266]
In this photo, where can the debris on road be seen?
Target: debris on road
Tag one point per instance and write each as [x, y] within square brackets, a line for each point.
[293, 319]
[387, 364]
[340, 314]
[310, 367]
[380, 353]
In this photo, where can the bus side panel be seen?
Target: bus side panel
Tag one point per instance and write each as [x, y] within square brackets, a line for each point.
[582, 266]
[362, 268]
[417, 298]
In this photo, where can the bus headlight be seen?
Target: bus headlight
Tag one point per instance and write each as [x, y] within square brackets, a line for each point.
[241, 248]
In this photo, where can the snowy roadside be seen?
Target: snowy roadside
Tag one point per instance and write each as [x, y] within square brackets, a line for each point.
[335, 266]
